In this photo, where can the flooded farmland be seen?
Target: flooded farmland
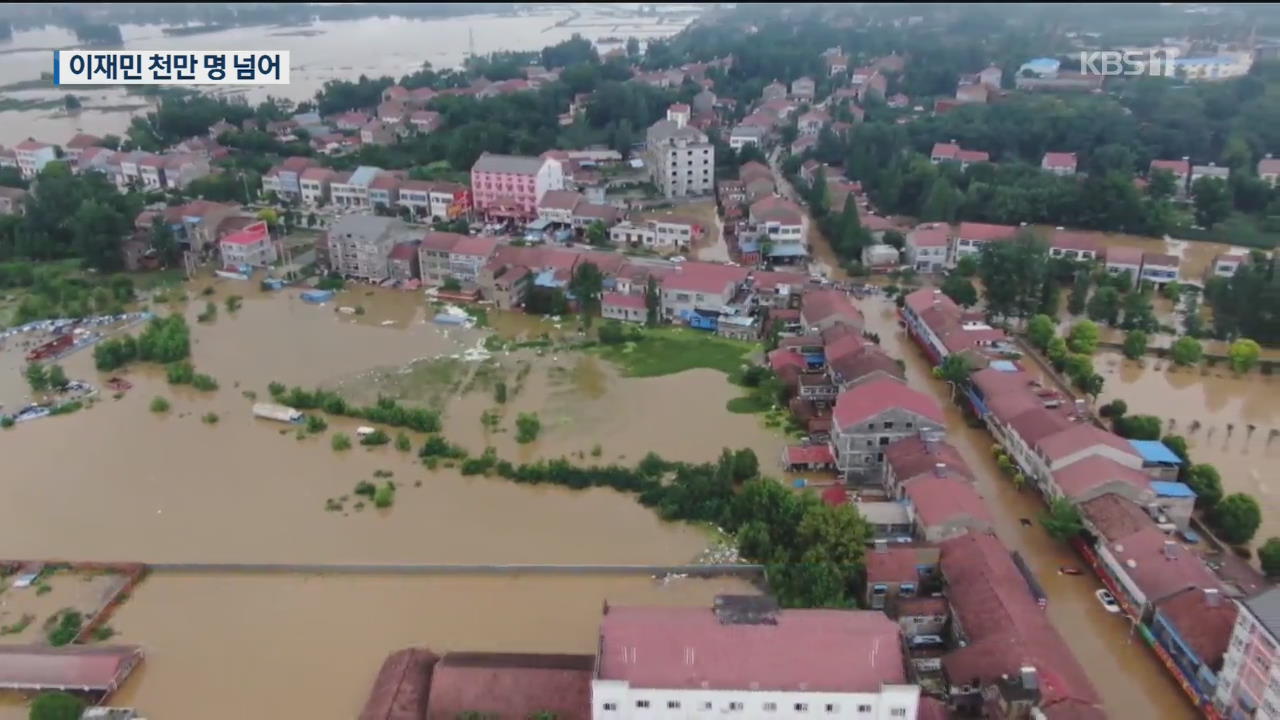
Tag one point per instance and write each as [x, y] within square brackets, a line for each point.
[117, 482]
[1230, 421]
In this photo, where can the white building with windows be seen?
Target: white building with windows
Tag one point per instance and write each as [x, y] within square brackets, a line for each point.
[682, 157]
[746, 658]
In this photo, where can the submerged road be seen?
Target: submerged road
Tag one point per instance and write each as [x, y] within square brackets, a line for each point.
[457, 569]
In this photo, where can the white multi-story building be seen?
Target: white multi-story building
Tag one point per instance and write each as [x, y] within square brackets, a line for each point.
[359, 245]
[33, 156]
[1248, 685]
[683, 159]
[353, 190]
[745, 658]
[314, 184]
[250, 247]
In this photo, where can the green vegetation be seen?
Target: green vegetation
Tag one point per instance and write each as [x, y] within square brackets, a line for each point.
[500, 392]
[234, 302]
[316, 424]
[210, 312]
[1205, 481]
[102, 633]
[1062, 520]
[56, 706]
[209, 418]
[1269, 557]
[386, 412]
[65, 628]
[1040, 330]
[403, 443]
[164, 340]
[340, 442]
[527, 427]
[364, 488]
[1236, 518]
[377, 437]
[18, 625]
[180, 373]
[1137, 427]
[1135, 344]
[203, 382]
[1244, 354]
[765, 390]
[385, 495]
[1186, 351]
[159, 405]
[6, 422]
[1083, 338]
[437, 447]
[665, 351]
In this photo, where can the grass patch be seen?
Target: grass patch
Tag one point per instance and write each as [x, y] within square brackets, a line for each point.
[748, 404]
[159, 405]
[667, 351]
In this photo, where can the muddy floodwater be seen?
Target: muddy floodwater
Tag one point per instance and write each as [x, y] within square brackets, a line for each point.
[117, 482]
[1230, 421]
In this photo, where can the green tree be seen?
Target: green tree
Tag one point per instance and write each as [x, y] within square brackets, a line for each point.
[1137, 427]
[37, 377]
[56, 706]
[1244, 354]
[1186, 351]
[1040, 330]
[587, 285]
[164, 242]
[1205, 481]
[527, 427]
[1135, 344]
[1269, 557]
[1062, 520]
[58, 378]
[960, 289]
[1083, 338]
[745, 465]
[1139, 314]
[1076, 301]
[652, 302]
[1013, 275]
[954, 369]
[1056, 351]
[597, 234]
[1212, 199]
[1104, 305]
[966, 266]
[942, 202]
[1236, 518]
[340, 442]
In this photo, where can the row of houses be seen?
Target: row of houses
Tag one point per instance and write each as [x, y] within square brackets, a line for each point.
[1135, 512]
[973, 617]
[303, 180]
[934, 247]
[173, 170]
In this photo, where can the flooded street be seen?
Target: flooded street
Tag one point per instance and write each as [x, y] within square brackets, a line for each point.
[116, 481]
[1126, 673]
[318, 52]
[1230, 421]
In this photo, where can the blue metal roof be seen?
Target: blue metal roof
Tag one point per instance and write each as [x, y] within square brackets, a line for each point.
[787, 251]
[1171, 489]
[1003, 366]
[1154, 451]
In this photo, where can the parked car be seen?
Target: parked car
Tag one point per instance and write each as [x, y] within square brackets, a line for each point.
[926, 641]
[1108, 600]
[1070, 571]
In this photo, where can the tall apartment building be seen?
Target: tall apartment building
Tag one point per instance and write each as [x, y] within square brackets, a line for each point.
[360, 244]
[682, 158]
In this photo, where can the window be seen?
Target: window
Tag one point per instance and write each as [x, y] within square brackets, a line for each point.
[802, 707]
[771, 707]
[888, 426]
[907, 589]
[706, 706]
[673, 704]
[735, 706]
[898, 712]
[832, 707]
[611, 706]
[642, 703]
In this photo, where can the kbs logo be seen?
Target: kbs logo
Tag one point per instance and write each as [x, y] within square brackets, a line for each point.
[1129, 62]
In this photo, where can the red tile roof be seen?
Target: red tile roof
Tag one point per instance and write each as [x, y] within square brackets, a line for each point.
[813, 650]
[560, 200]
[861, 366]
[895, 564]
[1005, 628]
[250, 235]
[972, 156]
[82, 140]
[868, 400]
[30, 144]
[80, 667]
[441, 241]
[1114, 517]
[835, 496]
[631, 302]
[777, 209]
[702, 277]
[1077, 240]
[1177, 167]
[767, 280]
[940, 500]
[1124, 255]
[930, 235]
[1159, 566]
[1082, 476]
[1269, 166]
[925, 298]
[985, 231]
[481, 245]
[1062, 160]
[815, 454]
[1081, 437]
[511, 685]
[911, 457]
[1037, 423]
[401, 688]
[819, 305]
[404, 251]
[317, 173]
[1206, 627]
[1160, 259]
[945, 150]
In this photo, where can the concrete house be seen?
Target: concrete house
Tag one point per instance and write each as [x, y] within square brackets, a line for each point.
[433, 256]
[1075, 245]
[1269, 170]
[32, 156]
[870, 416]
[1057, 450]
[510, 186]
[970, 237]
[896, 573]
[1180, 169]
[822, 309]
[1120, 260]
[950, 152]
[697, 286]
[802, 89]
[1160, 268]
[1059, 163]
[627, 308]
[402, 262]
[1226, 266]
[359, 245]
[926, 247]
[12, 201]
[681, 157]
[1247, 681]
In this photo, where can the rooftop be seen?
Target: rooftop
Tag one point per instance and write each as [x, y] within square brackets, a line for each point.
[1265, 606]
[690, 648]
[985, 231]
[78, 667]
[1090, 473]
[870, 399]
[1205, 622]
[1160, 566]
[699, 277]
[1114, 517]
[515, 164]
[1081, 437]
[819, 305]
[511, 685]
[940, 500]
[915, 456]
[899, 564]
[1122, 255]
[1154, 451]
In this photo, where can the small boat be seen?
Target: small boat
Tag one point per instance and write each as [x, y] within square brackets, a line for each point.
[279, 413]
[364, 430]
[1070, 571]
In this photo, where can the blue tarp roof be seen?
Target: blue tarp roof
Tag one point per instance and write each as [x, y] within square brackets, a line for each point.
[547, 278]
[1154, 451]
[1003, 366]
[1171, 489]
[539, 224]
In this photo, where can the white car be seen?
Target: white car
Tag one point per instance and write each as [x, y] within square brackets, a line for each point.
[1108, 600]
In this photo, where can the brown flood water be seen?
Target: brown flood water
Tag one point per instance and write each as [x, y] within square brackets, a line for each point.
[1128, 676]
[117, 482]
[1228, 419]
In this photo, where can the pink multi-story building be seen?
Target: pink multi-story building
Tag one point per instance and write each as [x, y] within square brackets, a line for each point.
[510, 186]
